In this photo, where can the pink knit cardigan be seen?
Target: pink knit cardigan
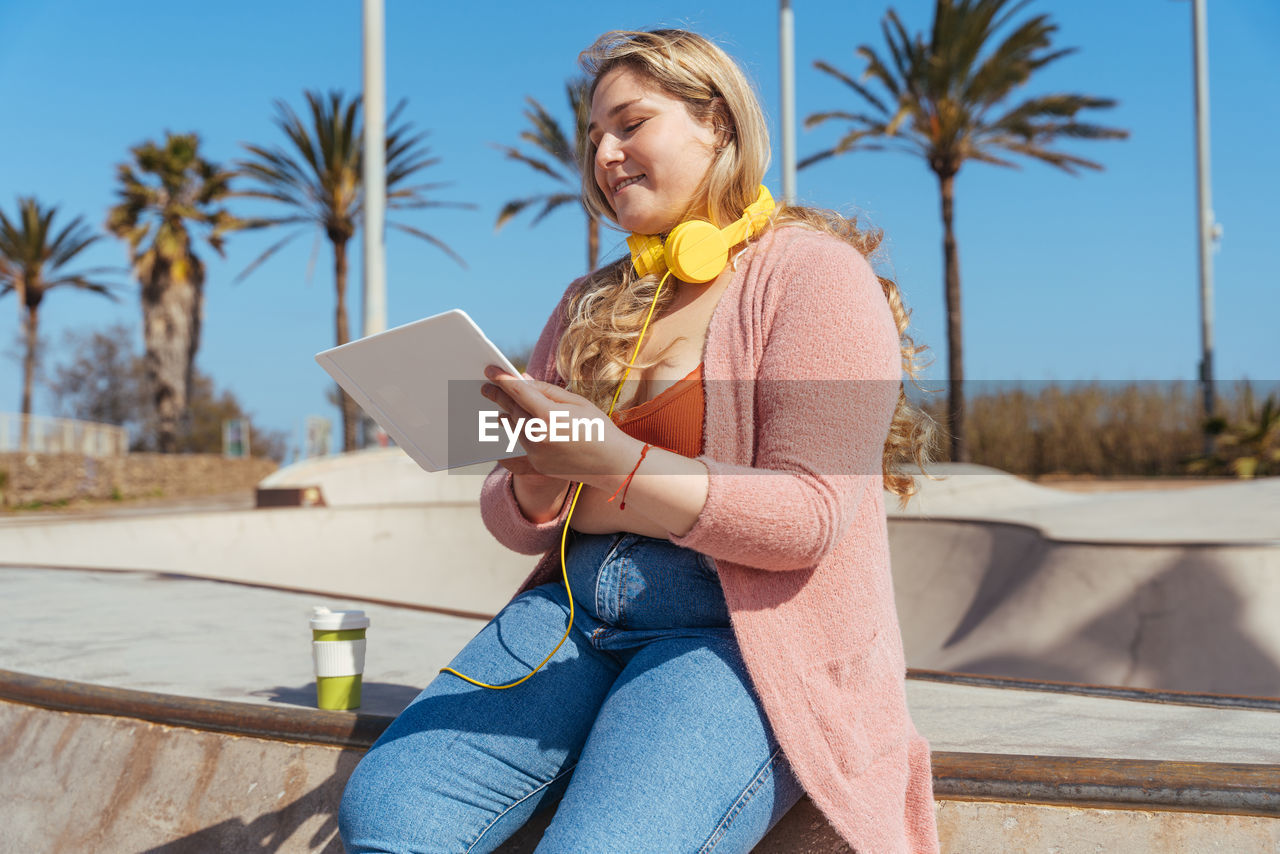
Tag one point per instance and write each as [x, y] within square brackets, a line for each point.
[802, 372]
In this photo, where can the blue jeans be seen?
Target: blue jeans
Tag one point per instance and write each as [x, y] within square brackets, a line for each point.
[643, 726]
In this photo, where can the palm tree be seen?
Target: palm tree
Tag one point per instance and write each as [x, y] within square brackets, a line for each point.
[174, 191]
[31, 262]
[547, 136]
[947, 102]
[320, 178]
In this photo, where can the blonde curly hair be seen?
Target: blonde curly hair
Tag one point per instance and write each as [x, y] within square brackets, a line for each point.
[605, 314]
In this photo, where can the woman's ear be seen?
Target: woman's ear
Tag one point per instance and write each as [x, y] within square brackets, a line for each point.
[722, 122]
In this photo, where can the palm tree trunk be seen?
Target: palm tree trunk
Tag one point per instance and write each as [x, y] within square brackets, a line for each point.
[169, 308]
[593, 242]
[195, 271]
[344, 335]
[955, 345]
[29, 372]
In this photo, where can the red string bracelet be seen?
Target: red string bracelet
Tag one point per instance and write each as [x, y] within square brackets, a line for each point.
[622, 505]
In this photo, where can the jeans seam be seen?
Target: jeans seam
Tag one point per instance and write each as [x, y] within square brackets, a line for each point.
[515, 804]
[622, 590]
[747, 794]
[617, 541]
[708, 566]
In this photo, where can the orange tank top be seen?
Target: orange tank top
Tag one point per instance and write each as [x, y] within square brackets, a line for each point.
[672, 420]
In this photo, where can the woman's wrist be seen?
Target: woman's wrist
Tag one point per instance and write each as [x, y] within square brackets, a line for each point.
[538, 502]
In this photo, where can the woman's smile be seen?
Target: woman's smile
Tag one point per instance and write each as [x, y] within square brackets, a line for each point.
[627, 182]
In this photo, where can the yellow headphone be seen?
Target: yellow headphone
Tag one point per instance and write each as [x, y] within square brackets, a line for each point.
[695, 251]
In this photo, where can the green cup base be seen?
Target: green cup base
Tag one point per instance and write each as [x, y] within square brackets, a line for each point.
[338, 692]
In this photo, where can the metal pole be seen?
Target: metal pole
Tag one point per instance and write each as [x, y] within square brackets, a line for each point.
[375, 170]
[1204, 208]
[375, 189]
[787, 60]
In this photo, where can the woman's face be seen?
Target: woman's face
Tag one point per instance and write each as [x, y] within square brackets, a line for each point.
[650, 153]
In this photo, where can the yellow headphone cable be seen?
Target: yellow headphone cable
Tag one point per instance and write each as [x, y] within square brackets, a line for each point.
[564, 533]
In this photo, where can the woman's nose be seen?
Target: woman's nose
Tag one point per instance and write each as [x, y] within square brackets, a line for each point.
[608, 152]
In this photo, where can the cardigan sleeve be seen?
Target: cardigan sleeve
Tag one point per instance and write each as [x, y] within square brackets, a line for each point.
[825, 392]
[498, 507]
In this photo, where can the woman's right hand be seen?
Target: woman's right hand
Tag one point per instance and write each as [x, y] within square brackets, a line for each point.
[539, 496]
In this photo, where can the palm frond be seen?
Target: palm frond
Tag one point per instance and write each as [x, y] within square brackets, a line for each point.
[79, 282]
[859, 118]
[1012, 62]
[1066, 162]
[514, 207]
[876, 69]
[432, 239]
[257, 262]
[852, 84]
[552, 203]
[520, 157]
[546, 134]
[982, 155]
[565, 152]
[1023, 118]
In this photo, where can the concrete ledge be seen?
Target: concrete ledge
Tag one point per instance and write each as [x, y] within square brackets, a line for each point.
[129, 770]
[277, 723]
[1114, 692]
[1238, 788]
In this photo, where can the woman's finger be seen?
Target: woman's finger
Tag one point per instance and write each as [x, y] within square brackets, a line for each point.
[499, 397]
[523, 394]
[556, 394]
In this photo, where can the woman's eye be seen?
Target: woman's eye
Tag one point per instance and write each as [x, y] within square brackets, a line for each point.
[631, 127]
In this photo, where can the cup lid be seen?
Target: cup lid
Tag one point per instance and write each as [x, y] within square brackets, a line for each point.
[324, 620]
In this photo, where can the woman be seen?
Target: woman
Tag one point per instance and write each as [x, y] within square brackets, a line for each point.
[731, 641]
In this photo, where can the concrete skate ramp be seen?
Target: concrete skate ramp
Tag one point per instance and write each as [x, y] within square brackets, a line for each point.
[1173, 589]
[1004, 599]
[1164, 588]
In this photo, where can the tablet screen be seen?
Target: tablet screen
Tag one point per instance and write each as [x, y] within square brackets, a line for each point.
[421, 383]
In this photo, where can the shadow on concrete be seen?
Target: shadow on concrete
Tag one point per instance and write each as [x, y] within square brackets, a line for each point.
[1017, 555]
[271, 831]
[376, 698]
[1184, 629]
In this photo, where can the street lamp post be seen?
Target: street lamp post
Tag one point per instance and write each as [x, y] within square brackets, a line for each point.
[1207, 228]
[787, 61]
[375, 170]
[375, 188]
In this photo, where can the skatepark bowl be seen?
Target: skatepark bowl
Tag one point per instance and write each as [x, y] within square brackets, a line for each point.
[1095, 671]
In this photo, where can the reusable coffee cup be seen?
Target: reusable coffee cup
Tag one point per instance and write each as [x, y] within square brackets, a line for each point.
[337, 648]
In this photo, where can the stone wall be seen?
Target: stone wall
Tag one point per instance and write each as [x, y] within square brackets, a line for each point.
[27, 479]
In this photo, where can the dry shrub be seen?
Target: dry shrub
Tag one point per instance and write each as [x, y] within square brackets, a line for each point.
[1104, 429]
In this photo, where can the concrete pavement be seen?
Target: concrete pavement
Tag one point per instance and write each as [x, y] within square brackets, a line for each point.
[224, 641]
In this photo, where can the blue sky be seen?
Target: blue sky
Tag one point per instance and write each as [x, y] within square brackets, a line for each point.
[1064, 278]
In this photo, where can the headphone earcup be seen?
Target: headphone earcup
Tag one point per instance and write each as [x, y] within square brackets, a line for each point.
[696, 251]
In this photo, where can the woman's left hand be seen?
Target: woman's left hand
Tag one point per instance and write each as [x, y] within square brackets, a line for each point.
[583, 460]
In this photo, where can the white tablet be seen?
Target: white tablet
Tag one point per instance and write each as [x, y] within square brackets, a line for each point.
[421, 382]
